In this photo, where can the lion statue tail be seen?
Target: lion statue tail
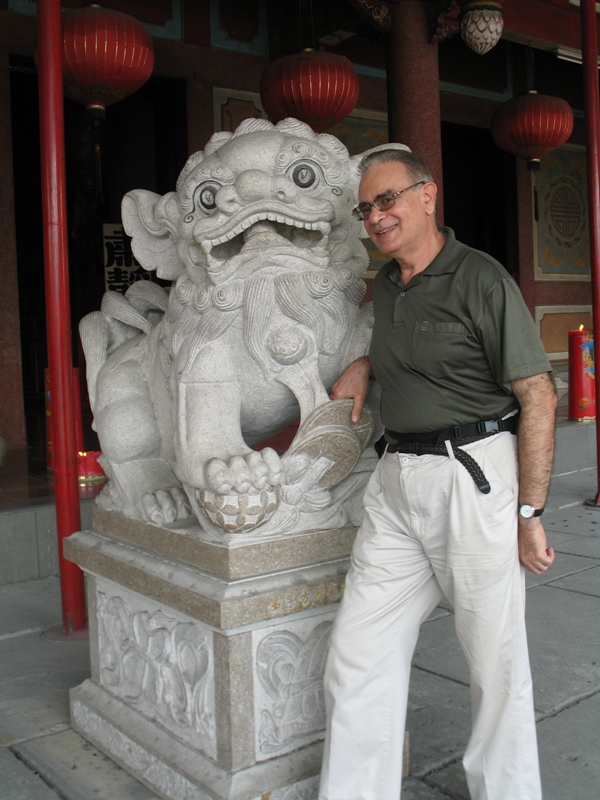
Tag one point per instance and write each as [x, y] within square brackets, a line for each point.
[120, 318]
[94, 332]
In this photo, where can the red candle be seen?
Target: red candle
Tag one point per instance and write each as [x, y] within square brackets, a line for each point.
[582, 385]
[88, 468]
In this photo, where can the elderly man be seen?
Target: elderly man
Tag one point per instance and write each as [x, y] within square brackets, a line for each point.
[454, 504]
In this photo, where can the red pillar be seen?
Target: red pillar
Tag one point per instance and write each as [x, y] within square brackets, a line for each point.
[589, 48]
[58, 310]
[413, 85]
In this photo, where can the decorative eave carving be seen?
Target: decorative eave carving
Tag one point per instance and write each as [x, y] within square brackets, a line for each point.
[443, 19]
[377, 13]
[443, 16]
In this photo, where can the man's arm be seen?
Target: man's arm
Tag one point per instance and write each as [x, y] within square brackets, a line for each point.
[537, 399]
[354, 383]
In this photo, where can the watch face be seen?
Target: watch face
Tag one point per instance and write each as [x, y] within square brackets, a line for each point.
[526, 511]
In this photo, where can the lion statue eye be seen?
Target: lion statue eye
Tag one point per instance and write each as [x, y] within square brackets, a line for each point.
[206, 195]
[304, 176]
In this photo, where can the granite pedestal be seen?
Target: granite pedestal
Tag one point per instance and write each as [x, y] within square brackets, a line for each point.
[207, 657]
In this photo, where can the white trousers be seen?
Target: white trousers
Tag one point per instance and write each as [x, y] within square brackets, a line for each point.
[429, 531]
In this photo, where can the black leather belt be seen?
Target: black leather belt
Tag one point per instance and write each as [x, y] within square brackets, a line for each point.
[434, 443]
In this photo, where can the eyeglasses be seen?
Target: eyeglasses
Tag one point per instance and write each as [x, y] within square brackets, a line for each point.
[382, 202]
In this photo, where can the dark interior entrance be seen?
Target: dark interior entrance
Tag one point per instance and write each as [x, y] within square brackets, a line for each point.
[480, 193]
[142, 144]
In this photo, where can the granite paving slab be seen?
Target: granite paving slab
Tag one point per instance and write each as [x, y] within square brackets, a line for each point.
[569, 747]
[35, 677]
[585, 582]
[18, 782]
[571, 489]
[29, 606]
[581, 521]
[416, 790]
[451, 781]
[79, 771]
[563, 644]
[579, 545]
[438, 651]
[564, 565]
[438, 721]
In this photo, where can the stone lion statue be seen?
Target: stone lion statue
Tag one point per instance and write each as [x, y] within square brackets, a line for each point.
[261, 319]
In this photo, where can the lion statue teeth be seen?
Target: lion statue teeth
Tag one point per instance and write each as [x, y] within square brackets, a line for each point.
[262, 317]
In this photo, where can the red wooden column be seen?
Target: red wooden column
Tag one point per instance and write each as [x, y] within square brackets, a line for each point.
[58, 309]
[589, 48]
[413, 84]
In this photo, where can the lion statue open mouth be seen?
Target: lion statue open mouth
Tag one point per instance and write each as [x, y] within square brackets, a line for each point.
[261, 319]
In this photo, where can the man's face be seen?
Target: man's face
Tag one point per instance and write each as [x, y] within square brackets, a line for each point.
[406, 225]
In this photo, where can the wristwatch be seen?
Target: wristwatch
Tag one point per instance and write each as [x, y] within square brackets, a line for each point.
[527, 511]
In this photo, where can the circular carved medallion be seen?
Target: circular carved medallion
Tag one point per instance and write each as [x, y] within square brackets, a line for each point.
[564, 212]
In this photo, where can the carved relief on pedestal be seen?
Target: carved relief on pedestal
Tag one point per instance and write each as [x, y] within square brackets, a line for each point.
[290, 707]
[158, 663]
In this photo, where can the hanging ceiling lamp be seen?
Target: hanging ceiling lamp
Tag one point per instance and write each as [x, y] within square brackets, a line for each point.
[481, 25]
[107, 55]
[316, 87]
[532, 125]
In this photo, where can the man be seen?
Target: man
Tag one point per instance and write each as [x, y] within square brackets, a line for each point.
[460, 364]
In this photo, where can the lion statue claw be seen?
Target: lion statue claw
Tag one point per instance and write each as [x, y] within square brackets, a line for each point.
[164, 507]
[262, 317]
[242, 474]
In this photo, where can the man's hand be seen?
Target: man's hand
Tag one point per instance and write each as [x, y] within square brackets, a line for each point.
[354, 383]
[534, 553]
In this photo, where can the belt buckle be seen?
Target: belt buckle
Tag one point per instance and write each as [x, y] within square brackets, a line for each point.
[489, 426]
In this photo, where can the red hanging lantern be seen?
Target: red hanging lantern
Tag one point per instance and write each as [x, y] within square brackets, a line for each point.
[315, 87]
[107, 55]
[532, 125]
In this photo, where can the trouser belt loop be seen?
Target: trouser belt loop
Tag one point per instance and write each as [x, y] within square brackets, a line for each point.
[455, 432]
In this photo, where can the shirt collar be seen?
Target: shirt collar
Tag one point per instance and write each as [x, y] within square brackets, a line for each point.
[445, 262]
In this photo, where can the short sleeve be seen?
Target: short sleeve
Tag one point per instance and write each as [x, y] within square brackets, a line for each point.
[509, 335]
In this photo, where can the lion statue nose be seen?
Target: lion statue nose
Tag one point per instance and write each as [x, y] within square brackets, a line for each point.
[254, 184]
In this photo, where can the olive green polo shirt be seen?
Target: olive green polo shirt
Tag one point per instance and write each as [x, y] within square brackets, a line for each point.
[447, 345]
